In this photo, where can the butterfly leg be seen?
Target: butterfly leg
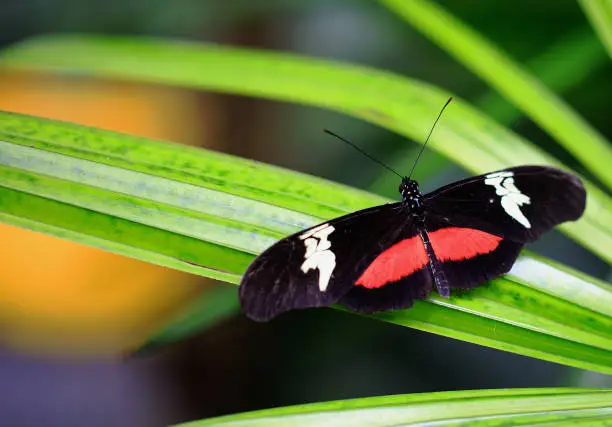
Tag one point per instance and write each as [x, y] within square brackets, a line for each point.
[434, 266]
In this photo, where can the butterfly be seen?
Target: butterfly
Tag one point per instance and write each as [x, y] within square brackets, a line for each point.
[385, 257]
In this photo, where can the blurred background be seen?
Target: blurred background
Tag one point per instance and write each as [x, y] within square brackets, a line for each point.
[69, 314]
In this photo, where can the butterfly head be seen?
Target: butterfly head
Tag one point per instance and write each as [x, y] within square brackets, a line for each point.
[411, 195]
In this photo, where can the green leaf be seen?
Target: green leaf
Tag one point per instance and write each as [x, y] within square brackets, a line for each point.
[397, 103]
[533, 310]
[208, 213]
[582, 57]
[512, 81]
[599, 13]
[212, 307]
[544, 406]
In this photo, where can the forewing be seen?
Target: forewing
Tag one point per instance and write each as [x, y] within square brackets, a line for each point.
[317, 266]
[518, 203]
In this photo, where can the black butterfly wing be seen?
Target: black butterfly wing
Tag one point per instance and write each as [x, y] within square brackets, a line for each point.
[317, 266]
[518, 203]
[375, 259]
[393, 295]
[469, 257]
[478, 226]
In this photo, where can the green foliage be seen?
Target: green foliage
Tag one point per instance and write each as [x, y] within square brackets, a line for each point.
[509, 79]
[211, 308]
[550, 407]
[599, 13]
[209, 213]
[466, 135]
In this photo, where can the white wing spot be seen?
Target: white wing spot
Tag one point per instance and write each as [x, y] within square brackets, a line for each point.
[318, 253]
[511, 197]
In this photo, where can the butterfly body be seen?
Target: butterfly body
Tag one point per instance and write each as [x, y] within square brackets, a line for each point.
[412, 199]
[385, 257]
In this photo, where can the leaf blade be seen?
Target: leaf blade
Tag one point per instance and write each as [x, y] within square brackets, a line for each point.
[72, 187]
[476, 407]
[599, 13]
[394, 102]
[511, 80]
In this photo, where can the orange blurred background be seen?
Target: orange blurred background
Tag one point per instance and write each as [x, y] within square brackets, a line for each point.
[62, 298]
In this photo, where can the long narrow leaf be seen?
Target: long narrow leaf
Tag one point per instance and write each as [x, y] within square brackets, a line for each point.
[582, 55]
[209, 213]
[208, 310]
[550, 407]
[465, 135]
[599, 12]
[511, 80]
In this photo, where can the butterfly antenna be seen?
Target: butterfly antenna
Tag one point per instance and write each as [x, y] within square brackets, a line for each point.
[427, 139]
[361, 151]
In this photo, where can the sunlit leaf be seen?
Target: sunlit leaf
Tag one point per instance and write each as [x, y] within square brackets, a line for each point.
[549, 407]
[599, 13]
[511, 80]
[209, 213]
[394, 102]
